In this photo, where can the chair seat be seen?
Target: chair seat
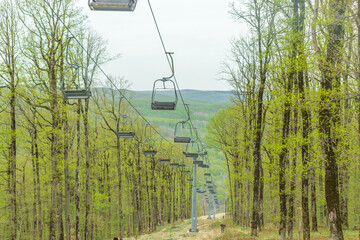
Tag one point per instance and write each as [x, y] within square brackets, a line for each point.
[150, 152]
[182, 139]
[192, 155]
[77, 94]
[174, 164]
[113, 5]
[163, 105]
[198, 162]
[164, 160]
[125, 134]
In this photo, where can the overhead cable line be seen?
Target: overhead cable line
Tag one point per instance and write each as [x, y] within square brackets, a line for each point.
[109, 79]
[187, 110]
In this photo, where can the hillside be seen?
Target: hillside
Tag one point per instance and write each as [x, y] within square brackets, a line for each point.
[203, 105]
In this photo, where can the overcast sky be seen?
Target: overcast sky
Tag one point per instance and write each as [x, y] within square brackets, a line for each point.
[198, 32]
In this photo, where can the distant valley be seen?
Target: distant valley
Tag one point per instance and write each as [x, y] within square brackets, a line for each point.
[203, 105]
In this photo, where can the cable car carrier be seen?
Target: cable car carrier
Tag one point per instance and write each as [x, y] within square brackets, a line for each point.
[83, 93]
[158, 101]
[113, 5]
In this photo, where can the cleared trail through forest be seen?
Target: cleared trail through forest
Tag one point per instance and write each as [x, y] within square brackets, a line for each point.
[208, 229]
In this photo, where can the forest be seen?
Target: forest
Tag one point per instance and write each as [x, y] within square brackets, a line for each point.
[67, 170]
[85, 168]
[291, 138]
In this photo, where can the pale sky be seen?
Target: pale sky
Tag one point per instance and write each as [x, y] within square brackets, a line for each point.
[198, 32]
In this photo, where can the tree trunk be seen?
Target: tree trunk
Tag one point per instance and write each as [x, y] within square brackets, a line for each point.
[87, 166]
[230, 185]
[314, 226]
[38, 184]
[118, 151]
[108, 182]
[35, 220]
[329, 115]
[257, 152]
[358, 72]
[66, 174]
[60, 213]
[293, 175]
[54, 146]
[77, 173]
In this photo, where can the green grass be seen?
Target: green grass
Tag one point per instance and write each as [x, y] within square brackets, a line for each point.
[237, 232]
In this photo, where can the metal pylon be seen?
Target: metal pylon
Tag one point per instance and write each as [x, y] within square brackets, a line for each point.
[214, 211]
[209, 202]
[193, 206]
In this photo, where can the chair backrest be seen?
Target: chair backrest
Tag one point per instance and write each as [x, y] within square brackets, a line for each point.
[164, 95]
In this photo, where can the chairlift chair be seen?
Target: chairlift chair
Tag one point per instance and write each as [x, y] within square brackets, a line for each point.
[149, 144]
[198, 162]
[149, 147]
[112, 5]
[192, 149]
[208, 181]
[157, 99]
[70, 94]
[164, 156]
[183, 132]
[126, 133]
[156, 102]
[207, 174]
[76, 94]
[174, 164]
[186, 171]
[190, 179]
[124, 124]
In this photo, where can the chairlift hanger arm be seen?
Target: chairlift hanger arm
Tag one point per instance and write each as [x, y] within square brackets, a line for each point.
[171, 65]
[76, 66]
[187, 109]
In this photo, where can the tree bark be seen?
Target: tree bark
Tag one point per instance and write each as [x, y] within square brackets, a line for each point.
[66, 174]
[329, 113]
[314, 226]
[257, 151]
[77, 173]
[118, 152]
[87, 167]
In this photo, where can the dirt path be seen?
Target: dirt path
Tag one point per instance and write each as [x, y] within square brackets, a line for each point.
[208, 229]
